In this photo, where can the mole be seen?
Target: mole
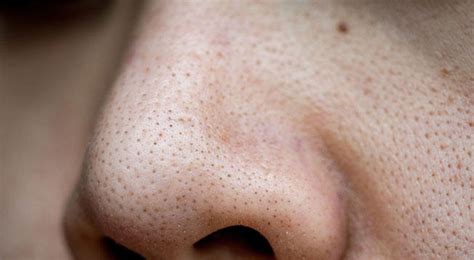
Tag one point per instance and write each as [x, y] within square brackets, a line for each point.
[342, 28]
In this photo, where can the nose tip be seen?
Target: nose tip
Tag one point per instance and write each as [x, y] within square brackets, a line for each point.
[160, 192]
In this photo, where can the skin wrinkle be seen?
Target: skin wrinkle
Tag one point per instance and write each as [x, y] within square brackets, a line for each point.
[291, 123]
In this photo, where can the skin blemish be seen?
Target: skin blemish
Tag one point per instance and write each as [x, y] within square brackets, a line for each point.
[342, 28]
[444, 72]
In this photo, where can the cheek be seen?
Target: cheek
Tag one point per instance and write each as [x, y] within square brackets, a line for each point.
[408, 159]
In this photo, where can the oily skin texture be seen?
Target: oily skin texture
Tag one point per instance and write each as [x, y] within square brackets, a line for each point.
[333, 134]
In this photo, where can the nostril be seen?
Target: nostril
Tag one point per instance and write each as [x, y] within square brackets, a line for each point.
[236, 242]
[118, 251]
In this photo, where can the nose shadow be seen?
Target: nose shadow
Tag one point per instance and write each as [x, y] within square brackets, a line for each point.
[235, 242]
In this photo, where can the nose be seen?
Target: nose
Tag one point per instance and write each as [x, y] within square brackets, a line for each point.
[194, 147]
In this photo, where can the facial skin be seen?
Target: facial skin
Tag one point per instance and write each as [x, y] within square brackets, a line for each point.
[335, 129]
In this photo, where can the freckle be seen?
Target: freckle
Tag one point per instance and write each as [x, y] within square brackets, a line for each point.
[342, 28]
[444, 72]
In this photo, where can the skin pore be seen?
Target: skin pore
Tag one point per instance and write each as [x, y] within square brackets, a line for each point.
[336, 129]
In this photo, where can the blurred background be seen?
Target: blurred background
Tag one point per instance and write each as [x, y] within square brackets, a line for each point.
[57, 58]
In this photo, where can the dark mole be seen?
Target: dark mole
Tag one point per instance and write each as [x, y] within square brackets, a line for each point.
[342, 28]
